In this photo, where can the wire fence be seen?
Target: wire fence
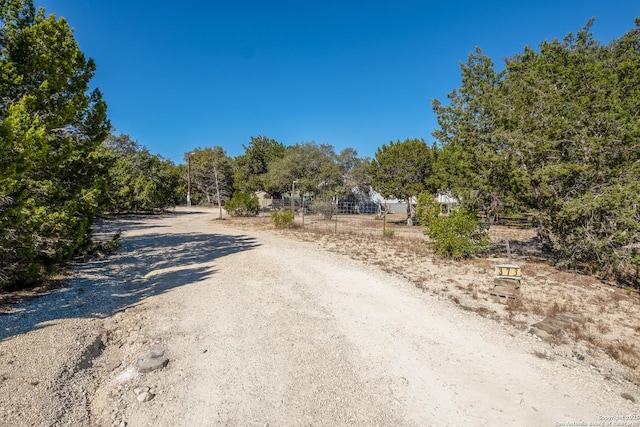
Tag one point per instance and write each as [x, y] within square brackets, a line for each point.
[339, 216]
[326, 207]
[369, 217]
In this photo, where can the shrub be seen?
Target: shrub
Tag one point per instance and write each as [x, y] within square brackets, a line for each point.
[457, 235]
[325, 207]
[97, 248]
[243, 204]
[282, 219]
[427, 209]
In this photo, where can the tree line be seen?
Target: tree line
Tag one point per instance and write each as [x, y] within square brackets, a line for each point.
[555, 134]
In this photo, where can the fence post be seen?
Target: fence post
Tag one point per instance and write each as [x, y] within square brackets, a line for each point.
[335, 206]
[384, 220]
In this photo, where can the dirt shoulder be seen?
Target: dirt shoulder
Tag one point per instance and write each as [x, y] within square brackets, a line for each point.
[256, 328]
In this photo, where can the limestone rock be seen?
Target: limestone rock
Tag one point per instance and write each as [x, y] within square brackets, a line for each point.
[139, 390]
[145, 396]
[552, 326]
[571, 318]
[544, 336]
[156, 351]
[152, 364]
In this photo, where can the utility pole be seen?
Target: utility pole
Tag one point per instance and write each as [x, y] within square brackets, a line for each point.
[215, 174]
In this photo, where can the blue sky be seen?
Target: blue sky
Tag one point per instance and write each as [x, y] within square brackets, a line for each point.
[180, 75]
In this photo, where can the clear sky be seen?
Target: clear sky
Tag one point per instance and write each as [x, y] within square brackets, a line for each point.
[351, 73]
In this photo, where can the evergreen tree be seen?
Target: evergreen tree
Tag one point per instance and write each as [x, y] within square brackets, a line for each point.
[401, 170]
[572, 121]
[558, 133]
[138, 180]
[250, 169]
[51, 128]
[473, 164]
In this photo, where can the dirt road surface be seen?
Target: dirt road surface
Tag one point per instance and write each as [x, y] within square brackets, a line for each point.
[261, 330]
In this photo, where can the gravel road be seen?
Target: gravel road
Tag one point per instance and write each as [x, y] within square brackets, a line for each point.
[262, 330]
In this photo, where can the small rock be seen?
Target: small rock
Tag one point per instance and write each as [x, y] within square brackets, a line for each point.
[571, 318]
[145, 396]
[149, 365]
[578, 356]
[156, 351]
[123, 424]
[139, 390]
[551, 325]
[112, 366]
[543, 335]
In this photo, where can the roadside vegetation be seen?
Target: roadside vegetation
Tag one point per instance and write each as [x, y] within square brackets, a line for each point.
[282, 219]
[53, 167]
[139, 181]
[554, 135]
[243, 204]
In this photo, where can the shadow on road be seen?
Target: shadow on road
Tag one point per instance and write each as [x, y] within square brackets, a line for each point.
[145, 265]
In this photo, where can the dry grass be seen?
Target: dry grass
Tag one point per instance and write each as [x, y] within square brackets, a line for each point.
[554, 309]
[513, 307]
[623, 351]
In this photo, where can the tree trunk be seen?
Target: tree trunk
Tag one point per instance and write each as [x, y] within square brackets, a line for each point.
[215, 174]
[409, 213]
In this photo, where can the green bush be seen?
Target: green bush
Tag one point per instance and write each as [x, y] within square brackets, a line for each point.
[457, 235]
[243, 204]
[282, 219]
[427, 209]
[98, 248]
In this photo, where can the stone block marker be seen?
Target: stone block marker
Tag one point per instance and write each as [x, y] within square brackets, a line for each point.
[506, 281]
